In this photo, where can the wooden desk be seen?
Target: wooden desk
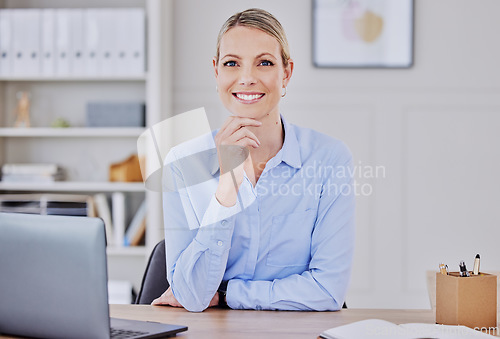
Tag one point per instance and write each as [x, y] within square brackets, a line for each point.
[220, 324]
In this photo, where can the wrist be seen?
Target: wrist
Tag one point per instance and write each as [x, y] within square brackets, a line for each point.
[226, 193]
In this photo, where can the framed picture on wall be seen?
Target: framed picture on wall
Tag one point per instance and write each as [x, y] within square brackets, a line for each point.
[363, 33]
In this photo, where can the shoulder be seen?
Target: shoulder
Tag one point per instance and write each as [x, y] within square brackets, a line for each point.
[314, 144]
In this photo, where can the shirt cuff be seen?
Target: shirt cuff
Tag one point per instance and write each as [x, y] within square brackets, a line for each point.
[250, 294]
[217, 227]
[216, 213]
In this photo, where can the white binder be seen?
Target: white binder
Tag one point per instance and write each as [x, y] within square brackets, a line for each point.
[92, 36]
[118, 215]
[63, 42]
[107, 42]
[77, 43]
[26, 42]
[6, 34]
[122, 40]
[133, 31]
[48, 48]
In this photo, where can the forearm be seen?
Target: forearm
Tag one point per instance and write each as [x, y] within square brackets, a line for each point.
[197, 259]
[301, 292]
[198, 273]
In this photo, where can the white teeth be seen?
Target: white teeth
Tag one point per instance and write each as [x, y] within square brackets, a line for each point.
[248, 97]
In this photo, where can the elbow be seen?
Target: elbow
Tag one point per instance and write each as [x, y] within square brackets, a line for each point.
[192, 303]
[195, 307]
[328, 304]
[335, 305]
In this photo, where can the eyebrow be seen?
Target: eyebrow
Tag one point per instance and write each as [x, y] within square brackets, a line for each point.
[257, 57]
[231, 55]
[263, 54]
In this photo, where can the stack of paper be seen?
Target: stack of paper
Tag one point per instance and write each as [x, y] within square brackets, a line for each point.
[72, 42]
[41, 173]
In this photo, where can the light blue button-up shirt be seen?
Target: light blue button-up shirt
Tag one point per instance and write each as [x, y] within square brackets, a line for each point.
[288, 242]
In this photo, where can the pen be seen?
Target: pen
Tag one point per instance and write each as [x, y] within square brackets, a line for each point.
[475, 271]
[463, 269]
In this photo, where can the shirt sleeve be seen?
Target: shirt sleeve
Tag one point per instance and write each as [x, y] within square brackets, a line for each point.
[196, 257]
[324, 285]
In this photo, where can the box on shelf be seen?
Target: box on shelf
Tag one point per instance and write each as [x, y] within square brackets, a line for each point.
[128, 170]
[469, 301]
[116, 114]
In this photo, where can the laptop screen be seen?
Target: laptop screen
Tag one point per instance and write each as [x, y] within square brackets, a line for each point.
[53, 276]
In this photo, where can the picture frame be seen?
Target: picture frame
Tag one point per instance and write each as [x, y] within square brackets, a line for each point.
[362, 33]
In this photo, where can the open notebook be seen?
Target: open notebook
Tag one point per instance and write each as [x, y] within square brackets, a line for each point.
[376, 328]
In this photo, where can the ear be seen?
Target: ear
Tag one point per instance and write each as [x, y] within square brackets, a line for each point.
[215, 64]
[288, 72]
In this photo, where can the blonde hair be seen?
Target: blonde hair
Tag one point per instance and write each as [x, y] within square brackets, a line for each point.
[259, 19]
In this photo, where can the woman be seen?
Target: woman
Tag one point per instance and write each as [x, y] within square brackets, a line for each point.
[273, 227]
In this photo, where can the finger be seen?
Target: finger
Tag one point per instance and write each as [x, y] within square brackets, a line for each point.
[247, 142]
[233, 124]
[222, 133]
[239, 122]
[241, 134]
[226, 123]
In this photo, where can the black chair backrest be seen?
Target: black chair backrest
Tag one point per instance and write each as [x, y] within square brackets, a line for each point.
[154, 281]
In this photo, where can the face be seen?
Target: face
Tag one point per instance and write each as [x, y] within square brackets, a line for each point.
[250, 73]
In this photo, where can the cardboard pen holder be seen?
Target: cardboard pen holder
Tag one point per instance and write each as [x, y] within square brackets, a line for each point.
[469, 301]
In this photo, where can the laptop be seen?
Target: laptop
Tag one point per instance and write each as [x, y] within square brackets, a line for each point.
[53, 281]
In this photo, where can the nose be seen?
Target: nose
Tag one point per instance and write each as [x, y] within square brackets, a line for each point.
[247, 76]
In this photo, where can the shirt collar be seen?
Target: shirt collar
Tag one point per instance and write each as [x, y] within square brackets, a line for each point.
[289, 152]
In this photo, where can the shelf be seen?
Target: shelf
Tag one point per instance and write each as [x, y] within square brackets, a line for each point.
[74, 186]
[72, 132]
[123, 251]
[74, 78]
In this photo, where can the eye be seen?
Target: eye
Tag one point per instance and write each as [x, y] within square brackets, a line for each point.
[266, 63]
[230, 63]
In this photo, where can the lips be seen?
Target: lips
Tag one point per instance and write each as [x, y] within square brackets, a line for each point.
[248, 98]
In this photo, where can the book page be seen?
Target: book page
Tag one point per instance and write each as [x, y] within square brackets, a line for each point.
[444, 331]
[376, 328]
[367, 329]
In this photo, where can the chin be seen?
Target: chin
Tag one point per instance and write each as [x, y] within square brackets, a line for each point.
[246, 114]
[250, 112]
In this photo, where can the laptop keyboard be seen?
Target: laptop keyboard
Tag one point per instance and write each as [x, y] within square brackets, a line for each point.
[122, 334]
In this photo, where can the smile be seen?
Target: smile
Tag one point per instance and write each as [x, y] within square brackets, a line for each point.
[248, 98]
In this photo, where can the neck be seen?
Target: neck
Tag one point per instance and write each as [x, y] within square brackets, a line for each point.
[271, 137]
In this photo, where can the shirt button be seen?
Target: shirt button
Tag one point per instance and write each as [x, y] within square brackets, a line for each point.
[219, 243]
[223, 222]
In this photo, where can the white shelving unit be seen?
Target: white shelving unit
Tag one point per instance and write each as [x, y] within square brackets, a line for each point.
[89, 151]
[75, 78]
[73, 186]
[38, 132]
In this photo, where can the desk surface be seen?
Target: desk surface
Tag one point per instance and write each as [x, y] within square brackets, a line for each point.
[221, 324]
[217, 323]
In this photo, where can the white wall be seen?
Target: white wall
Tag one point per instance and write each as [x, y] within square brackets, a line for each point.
[434, 128]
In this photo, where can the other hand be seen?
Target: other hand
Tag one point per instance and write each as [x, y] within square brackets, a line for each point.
[167, 298]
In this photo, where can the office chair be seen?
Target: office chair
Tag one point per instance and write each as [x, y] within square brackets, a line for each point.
[154, 281]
